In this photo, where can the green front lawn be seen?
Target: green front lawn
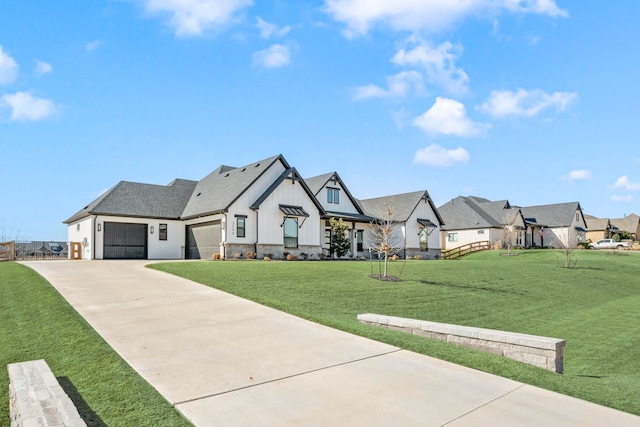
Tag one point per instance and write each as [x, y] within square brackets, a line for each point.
[595, 308]
[37, 323]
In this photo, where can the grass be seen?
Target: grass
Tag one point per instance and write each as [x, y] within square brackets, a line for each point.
[37, 323]
[594, 307]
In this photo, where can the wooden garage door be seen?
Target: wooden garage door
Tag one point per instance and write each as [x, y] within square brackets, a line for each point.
[125, 241]
[203, 240]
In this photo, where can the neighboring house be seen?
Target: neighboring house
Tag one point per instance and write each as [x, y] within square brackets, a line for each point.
[599, 228]
[555, 226]
[630, 224]
[264, 207]
[418, 221]
[474, 219]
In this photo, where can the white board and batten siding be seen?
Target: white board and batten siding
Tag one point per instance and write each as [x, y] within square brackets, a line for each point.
[241, 207]
[270, 216]
[422, 211]
[344, 204]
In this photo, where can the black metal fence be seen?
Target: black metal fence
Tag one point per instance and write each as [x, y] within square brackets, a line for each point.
[37, 250]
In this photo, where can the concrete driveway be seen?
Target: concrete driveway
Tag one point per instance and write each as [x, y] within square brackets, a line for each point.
[224, 361]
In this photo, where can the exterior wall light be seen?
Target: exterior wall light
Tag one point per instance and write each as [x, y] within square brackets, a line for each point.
[151, 229]
[99, 227]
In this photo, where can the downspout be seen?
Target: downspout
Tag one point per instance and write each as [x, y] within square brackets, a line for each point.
[224, 243]
[93, 237]
[255, 245]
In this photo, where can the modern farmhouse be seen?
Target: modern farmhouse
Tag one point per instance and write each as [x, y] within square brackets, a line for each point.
[264, 208]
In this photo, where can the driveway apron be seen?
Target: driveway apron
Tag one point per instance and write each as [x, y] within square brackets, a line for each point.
[225, 361]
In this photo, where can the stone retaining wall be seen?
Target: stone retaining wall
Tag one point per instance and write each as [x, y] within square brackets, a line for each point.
[543, 352]
[36, 398]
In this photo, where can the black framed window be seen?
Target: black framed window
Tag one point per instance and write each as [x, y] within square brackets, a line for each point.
[333, 195]
[290, 227]
[162, 231]
[424, 239]
[241, 226]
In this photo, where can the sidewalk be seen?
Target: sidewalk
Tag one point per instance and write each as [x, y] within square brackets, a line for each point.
[225, 361]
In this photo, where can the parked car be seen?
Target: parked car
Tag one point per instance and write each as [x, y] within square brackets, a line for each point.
[609, 244]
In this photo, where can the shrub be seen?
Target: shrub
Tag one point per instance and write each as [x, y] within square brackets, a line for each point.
[236, 255]
[292, 257]
[417, 257]
[250, 255]
[216, 256]
[266, 258]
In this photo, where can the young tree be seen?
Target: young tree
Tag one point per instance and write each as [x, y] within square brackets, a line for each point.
[340, 244]
[509, 230]
[567, 243]
[387, 236]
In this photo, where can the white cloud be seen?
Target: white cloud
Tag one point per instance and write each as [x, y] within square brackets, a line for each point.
[43, 68]
[623, 182]
[435, 155]
[25, 107]
[268, 30]
[8, 68]
[449, 117]
[274, 56]
[93, 45]
[398, 86]
[525, 103]
[193, 17]
[438, 64]
[359, 16]
[577, 175]
[622, 199]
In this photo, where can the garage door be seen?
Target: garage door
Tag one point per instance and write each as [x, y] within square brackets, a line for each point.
[203, 240]
[125, 241]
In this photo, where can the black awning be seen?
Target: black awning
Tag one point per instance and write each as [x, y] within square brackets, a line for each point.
[293, 210]
[581, 230]
[426, 223]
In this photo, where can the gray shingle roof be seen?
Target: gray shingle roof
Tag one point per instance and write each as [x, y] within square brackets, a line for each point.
[473, 212]
[629, 223]
[596, 224]
[316, 183]
[217, 191]
[402, 205]
[140, 200]
[554, 215]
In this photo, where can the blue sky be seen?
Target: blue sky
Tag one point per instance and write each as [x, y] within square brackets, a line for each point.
[534, 101]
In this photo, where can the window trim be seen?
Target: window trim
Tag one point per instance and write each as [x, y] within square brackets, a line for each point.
[241, 219]
[163, 231]
[333, 195]
[287, 241]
